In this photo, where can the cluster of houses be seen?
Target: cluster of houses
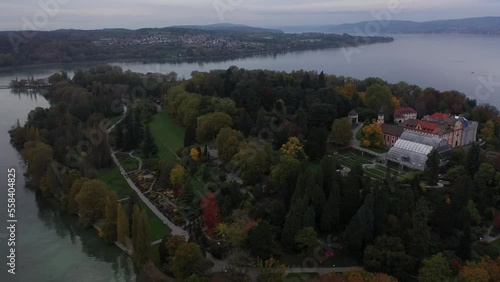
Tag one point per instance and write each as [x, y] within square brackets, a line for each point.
[410, 139]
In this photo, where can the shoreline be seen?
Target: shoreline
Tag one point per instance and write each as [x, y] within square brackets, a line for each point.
[179, 60]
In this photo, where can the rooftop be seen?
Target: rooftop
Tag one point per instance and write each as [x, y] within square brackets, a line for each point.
[402, 111]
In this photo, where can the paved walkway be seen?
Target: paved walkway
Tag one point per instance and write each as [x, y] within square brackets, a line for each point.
[176, 230]
[138, 159]
[487, 238]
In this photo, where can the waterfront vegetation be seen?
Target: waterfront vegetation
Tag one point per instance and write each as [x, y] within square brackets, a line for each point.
[243, 158]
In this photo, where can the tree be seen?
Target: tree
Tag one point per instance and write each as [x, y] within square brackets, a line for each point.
[260, 240]
[142, 239]
[73, 191]
[387, 255]
[178, 176]
[306, 81]
[253, 160]
[240, 262]
[228, 141]
[149, 148]
[420, 234]
[473, 160]
[474, 272]
[293, 222]
[284, 175]
[190, 135]
[379, 97]
[38, 156]
[321, 80]
[316, 143]
[111, 207]
[91, 201]
[119, 137]
[209, 126]
[210, 212]
[122, 225]
[294, 148]
[307, 239]
[342, 131]
[185, 258]
[270, 270]
[372, 136]
[330, 215]
[464, 249]
[431, 171]
[435, 268]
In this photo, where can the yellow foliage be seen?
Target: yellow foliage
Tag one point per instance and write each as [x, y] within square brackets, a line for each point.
[395, 103]
[293, 148]
[177, 175]
[474, 272]
[372, 136]
[194, 154]
[347, 90]
[362, 97]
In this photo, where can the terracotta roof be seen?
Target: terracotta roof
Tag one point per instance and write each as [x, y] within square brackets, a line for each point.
[353, 113]
[402, 111]
[392, 129]
[427, 126]
[439, 115]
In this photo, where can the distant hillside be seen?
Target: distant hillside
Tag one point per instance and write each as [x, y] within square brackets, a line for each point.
[226, 27]
[484, 25]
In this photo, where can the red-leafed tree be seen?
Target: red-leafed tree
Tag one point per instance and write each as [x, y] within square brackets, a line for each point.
[210, 212]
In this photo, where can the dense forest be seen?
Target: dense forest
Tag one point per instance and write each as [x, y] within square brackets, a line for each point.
[265, 146]
[79, 46]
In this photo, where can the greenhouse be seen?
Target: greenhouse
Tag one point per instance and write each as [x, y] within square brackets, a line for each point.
[412, 148]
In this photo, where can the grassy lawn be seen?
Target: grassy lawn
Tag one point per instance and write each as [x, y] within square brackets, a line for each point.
[128, 163]
[165, 129]
[115, 181]
[113, 120]
[496, 243]
[315, 167]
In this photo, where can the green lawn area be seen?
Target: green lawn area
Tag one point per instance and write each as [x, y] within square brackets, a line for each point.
[115, 181]
[167, 132]
[496, 243]
[113, 120]
[128, 163]
[315, 167]
[382, 150]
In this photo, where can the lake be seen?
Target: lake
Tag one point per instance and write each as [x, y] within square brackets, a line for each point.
[51, 246]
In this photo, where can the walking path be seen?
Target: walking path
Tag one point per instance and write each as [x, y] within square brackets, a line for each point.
[176, 230]
[487, 238]
[138, 159]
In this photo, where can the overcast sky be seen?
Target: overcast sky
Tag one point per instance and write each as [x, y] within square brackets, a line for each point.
[95, 14]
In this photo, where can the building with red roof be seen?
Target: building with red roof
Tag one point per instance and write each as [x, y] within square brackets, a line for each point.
[403, 114]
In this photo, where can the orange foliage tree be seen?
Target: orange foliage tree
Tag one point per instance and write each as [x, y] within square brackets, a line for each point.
[372, 136]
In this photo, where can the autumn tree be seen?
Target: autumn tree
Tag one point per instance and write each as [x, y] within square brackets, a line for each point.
[72, 207]
[209, 126]
[38, 156]
[122, 225]
[91, 201]
[210, 212]
[294, 148]
[342, 131]
[270, 270]
[435, 268]
[178, 176]
[185, 259]
[372, 136]
[194, 154]
[142, 238]
[253, 160]
[228, 141]
[474, 271]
